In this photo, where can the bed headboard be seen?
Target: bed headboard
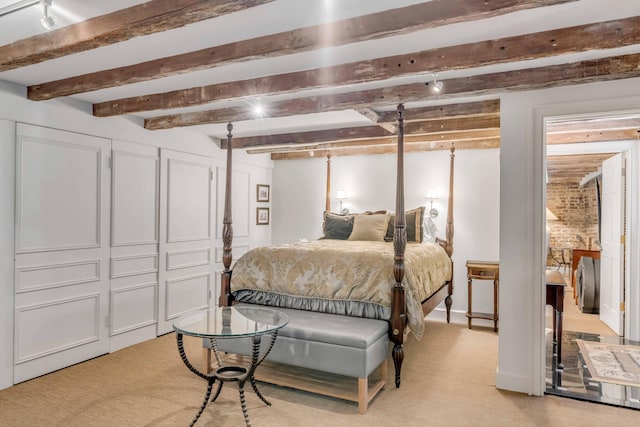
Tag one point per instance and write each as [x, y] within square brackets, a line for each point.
[447, 242]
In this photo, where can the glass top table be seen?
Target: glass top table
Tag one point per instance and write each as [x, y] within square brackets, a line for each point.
[228, 323]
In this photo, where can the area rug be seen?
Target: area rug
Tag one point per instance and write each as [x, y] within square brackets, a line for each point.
[612, 363]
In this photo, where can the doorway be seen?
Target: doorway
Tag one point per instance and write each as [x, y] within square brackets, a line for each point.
[586, 246]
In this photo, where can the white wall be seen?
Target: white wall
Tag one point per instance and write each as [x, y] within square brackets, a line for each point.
[370, 182]
[75, 116]
[521, 345]
[298, 199]
[7, 210]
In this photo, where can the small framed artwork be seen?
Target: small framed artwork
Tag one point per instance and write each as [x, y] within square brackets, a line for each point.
[262, 193]
[262, 216]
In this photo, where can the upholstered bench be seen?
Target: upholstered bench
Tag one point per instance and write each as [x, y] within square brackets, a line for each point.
[331, 343]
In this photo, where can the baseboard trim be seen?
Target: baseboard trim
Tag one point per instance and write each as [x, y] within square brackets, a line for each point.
[511, 382]
[458, 316]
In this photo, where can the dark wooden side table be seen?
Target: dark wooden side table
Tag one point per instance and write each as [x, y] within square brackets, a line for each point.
[483, 270]
[555, 298]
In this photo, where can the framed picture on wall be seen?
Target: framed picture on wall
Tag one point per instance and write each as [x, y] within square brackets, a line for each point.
[262, 216]
[262, 193]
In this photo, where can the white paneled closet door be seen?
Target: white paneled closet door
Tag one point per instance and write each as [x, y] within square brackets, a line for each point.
[61, 250]
[134, 243]
[612, 242]
[186, 238]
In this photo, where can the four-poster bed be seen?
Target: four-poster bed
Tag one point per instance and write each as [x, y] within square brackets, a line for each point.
[398, 317]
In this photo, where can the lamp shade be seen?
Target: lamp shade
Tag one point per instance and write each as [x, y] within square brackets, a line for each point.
[431, 195]
[341, 194]
[551, 216]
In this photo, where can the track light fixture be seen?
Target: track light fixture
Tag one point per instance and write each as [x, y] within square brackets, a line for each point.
[16, 6]
[437, 84]
[47, 22]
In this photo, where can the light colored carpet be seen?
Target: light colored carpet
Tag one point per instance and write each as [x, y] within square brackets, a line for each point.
[575, 320]
[448, 380]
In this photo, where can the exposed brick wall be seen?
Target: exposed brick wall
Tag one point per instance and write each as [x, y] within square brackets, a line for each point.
[577, 212]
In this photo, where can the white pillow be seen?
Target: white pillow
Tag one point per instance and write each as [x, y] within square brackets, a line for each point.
[430, 229]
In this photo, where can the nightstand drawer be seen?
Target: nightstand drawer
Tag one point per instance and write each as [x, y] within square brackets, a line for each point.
[483, 270]
[482, 273]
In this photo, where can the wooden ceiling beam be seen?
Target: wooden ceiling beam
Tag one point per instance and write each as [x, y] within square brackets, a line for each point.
[592, 136]
[147, 18]
[387, 149]
[375, 117]
[575, 160]
[602, 35]
[603, 69]
[567, 171]
[434, 140]
[382, 24]
[453, 124]
[573, 168]
[441, 127]
[353, 133]
[556, 164]
[437, 112]
[564, 161]
[607, 123]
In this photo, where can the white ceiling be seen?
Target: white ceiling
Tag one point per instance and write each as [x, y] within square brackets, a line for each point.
[278, 16]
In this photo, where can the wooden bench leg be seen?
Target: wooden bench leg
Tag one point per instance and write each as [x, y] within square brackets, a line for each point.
[384, 371]
[363, 388]
[363, 395]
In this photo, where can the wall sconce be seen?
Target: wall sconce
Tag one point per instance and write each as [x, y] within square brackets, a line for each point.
[431, 196]
[551, 216]
[341, 195]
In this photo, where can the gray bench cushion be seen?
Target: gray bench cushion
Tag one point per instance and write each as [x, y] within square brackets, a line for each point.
[333, 328]
[333, 343]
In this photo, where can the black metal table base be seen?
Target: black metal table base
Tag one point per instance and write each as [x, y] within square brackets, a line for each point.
[231, 373]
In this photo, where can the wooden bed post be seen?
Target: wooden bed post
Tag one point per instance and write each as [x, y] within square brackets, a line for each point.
[447, 244]
[449, 228]
[227, 229]
[398, 304]
[328, 201]
[448, 301]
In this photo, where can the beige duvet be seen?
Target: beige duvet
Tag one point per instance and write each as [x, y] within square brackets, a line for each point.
[345, 272]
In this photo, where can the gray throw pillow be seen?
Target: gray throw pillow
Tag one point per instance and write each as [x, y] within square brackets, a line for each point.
[337, 226]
